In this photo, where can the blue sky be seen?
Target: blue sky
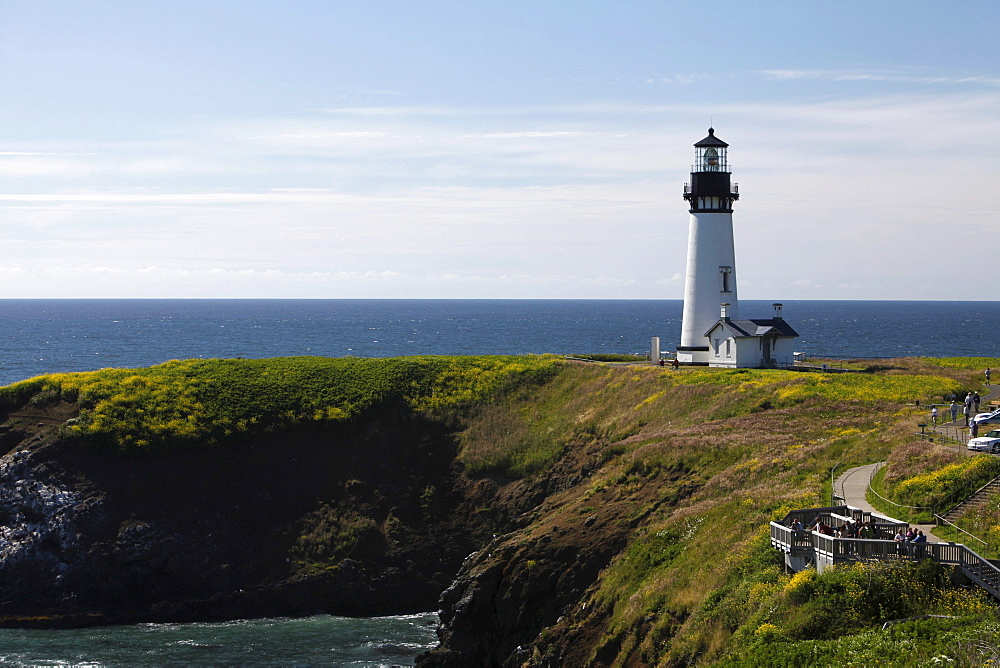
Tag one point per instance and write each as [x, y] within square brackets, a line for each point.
[493, 149]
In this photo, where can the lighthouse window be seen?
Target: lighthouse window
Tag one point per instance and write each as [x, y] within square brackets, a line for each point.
[725, 271]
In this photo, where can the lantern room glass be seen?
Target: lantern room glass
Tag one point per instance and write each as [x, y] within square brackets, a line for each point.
[711, 159]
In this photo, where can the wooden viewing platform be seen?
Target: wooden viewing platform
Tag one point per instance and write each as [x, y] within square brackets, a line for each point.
[804, 548]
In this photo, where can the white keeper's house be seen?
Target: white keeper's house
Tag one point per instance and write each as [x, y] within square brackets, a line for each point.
[712, 332]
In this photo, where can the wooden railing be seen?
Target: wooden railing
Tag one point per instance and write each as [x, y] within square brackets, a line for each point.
[826, 550]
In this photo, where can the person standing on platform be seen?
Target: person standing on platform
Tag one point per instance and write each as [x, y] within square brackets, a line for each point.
[954, 410]
[918, 540]
[900, 539]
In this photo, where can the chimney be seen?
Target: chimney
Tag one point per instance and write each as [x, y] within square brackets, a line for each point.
[777, 311]
[725, 311]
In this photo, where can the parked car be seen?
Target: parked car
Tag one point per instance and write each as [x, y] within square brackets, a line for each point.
[987, 418]
[988, 443]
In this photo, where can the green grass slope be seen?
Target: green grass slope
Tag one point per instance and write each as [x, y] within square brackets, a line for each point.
[728, 451]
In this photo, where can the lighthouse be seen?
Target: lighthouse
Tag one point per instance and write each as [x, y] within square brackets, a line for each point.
[710, 279]
[712, 332]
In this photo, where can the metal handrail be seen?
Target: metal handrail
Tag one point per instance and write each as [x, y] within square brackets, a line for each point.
[833, 483]
[900, 505]
[878, 467]
[941, 519]
[972, 495]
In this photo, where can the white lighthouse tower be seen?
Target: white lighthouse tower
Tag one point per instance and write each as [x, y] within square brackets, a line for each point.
[711, 261]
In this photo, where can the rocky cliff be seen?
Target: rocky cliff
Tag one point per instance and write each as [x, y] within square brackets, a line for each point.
[95, 537]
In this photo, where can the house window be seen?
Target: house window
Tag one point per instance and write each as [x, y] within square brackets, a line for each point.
[729, 352]
[717, 347]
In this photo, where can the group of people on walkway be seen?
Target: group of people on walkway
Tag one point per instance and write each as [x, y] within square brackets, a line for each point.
[910, 543]
[850, 529]
[908, 539]
[969, 408]
[911, 535]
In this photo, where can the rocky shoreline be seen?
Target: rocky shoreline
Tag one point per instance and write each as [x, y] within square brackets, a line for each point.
[90, 538]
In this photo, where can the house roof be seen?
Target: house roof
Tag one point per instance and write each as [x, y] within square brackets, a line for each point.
[756, 327]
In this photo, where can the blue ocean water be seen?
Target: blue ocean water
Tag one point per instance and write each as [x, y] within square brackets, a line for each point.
[321, 640]
[46, 336]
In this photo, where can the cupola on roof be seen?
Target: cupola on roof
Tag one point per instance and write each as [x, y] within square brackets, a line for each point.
[711, 140]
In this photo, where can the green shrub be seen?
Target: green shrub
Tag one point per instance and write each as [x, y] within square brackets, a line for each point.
[835, 618]
[326, 537]
[202, 402]
[948, 485]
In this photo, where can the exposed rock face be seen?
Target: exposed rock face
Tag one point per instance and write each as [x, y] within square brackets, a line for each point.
[507, 592]
[43, 519]
[87, 537]
[536, 578]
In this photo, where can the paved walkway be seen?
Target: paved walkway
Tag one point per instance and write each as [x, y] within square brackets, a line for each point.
[852, 486]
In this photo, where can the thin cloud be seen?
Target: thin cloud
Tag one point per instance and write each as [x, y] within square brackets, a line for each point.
[277, 196]
[860, 75]
[538, 134]
[446, 205]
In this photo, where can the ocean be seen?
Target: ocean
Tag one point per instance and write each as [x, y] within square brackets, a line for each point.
[48, 336]
[321, 640]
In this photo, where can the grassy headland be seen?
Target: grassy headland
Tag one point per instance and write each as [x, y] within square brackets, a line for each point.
[679, 472]
[205, 402]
